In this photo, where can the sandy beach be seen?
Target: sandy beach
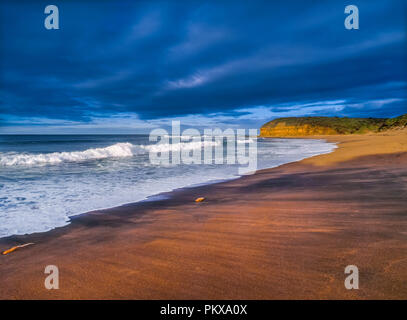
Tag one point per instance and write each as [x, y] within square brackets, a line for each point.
[282, 233]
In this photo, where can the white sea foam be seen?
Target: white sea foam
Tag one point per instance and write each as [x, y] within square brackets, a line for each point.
[166, 147]
[118, 150]
[250, 140]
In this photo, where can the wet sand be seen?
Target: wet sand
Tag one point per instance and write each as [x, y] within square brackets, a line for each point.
[283, 233]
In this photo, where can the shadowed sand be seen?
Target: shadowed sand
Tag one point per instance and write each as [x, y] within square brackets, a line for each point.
[283, 233]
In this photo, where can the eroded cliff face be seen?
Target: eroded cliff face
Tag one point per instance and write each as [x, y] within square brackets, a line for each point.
[283, 130]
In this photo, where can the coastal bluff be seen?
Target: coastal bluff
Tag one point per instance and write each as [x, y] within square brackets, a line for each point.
[308, 126]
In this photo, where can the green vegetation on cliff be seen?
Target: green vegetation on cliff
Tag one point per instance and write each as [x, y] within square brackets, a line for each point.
[398, 122]
[297, 126]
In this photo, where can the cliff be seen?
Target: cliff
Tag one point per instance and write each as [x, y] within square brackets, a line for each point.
[305, 126]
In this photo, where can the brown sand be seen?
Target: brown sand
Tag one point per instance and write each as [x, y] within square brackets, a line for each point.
[283, 233]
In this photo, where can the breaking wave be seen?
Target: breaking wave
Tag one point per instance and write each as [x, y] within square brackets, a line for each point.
[118, 150]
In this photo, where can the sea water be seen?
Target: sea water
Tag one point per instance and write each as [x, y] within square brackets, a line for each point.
[46, 179]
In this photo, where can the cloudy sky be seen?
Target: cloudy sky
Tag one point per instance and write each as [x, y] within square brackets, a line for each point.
[130, 66]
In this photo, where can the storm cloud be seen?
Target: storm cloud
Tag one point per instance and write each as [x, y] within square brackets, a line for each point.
[231, 62]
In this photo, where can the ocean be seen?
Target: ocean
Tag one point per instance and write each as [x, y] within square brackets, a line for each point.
[46, 179]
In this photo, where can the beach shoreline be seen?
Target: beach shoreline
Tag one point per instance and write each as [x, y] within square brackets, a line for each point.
[163, 194]
[283, 233]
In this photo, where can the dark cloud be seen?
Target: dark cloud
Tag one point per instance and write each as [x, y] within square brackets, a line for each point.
[167, 59]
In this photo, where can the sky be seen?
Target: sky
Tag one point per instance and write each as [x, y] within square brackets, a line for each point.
[132, 66]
